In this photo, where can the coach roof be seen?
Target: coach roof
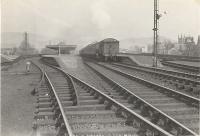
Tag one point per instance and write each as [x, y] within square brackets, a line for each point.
[109, 40]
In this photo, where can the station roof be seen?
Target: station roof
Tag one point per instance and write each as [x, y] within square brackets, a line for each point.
[67, 47]
[109, 40]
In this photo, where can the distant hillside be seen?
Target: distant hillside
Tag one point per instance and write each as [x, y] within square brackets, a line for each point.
[14, 39]
[11, 39]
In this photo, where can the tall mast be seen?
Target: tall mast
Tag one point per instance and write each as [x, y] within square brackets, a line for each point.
[26, 41]
[155, 36]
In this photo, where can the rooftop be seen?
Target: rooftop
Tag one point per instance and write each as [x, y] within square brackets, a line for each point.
[62, 46]
[109, 40]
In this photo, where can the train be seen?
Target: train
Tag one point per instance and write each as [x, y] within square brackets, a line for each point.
[105, 50]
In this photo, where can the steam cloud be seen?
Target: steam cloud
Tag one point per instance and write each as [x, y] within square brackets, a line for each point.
[99, 15]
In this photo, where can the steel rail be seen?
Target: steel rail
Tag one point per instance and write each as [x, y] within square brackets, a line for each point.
[165, 70]
[164, 56]
[61, 70]
[182, 66]
[151, 125]
[66, 122]
[145, 102]
[124, 108]
[155, 72]
[55, 67]
[113, 101]
[45, 76]
[184, 97]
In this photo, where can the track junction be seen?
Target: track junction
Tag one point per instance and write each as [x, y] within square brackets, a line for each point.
[115, 99]
[86, 98]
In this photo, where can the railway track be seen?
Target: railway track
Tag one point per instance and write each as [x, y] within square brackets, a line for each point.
[149, 99]
[165, 67]
[179, 82]
[166, 71]
[68, 106]
[190, 69]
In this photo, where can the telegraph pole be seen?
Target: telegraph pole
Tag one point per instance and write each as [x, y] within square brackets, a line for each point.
[26, 40]
[59, 50]
[155, 35]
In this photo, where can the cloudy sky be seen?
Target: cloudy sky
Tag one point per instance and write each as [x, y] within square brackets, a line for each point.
[82, 21]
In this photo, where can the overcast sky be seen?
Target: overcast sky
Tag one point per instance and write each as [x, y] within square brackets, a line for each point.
[79, 21]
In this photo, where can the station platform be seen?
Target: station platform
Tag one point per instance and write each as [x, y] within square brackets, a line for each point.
[142, 60]
[72, 64]
[71, 61]
[66, 61]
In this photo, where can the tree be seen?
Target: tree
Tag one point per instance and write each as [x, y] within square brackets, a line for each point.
[14, 50]
[168, 44]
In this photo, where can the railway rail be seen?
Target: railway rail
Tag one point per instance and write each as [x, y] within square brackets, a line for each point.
[174, 80]
[168, 57]
[166, 71]
[169, 108]
[191, 69]
[67, 105]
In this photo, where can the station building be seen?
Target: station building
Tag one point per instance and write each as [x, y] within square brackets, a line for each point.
[62, 48]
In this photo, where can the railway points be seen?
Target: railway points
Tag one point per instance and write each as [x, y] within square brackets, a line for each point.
[85, 74]
[186, 66]
[85, 98]
[164, 104]
[81, 96]
[189, 63]
[164, 70]
[90, 69]
[74, 105]
[180, 83]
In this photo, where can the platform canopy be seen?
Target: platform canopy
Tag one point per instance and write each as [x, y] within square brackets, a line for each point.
[62, 48]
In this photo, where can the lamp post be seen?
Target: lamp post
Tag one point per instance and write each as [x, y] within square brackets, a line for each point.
[59, 50]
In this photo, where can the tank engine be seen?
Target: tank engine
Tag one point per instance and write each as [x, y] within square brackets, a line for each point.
[105, 50]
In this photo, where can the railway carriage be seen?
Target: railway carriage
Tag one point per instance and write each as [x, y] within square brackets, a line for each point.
[105, 50]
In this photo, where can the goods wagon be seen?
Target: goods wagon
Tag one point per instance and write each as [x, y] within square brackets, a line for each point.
[106, 50]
